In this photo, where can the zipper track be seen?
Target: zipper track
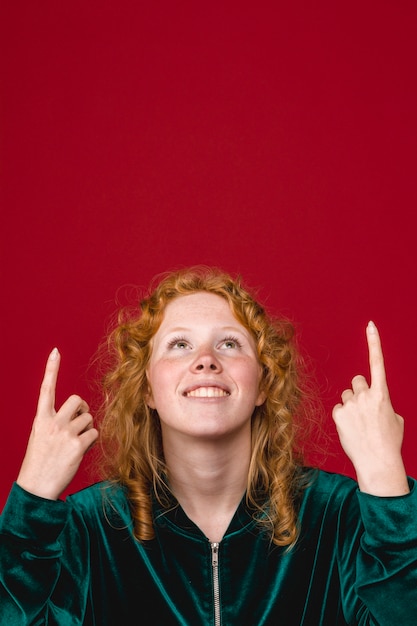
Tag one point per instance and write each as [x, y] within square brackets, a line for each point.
[216, 587]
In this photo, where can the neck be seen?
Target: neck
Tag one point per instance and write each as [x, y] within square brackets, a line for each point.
[209, 480]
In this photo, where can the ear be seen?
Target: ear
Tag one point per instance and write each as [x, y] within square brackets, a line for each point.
[149, 401]
[149, 397]
[261, 398]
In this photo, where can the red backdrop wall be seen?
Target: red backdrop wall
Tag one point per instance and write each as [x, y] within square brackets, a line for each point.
[277, 139]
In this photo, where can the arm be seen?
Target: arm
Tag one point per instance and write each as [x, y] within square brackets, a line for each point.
[382, 571]
[370, 432]
[58, 440]
[42, 539]
[44, 562]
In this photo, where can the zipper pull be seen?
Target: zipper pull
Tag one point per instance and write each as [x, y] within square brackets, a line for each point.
[215, 554]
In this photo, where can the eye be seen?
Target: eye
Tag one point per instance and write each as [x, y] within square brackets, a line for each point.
[178, 342]
[231, 342]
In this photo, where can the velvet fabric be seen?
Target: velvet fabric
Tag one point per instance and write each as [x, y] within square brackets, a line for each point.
[77, 563]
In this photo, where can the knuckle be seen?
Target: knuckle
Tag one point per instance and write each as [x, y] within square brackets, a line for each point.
[94, 433]
[88, 420]
[336, 411]
[76, 444]
[379, 396]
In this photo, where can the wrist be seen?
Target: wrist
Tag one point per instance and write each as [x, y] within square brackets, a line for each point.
[388, 481]
[40, 489]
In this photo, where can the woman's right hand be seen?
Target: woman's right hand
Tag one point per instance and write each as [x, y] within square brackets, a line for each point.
[58, 441]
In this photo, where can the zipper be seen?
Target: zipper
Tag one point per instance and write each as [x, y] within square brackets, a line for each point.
[216, 586]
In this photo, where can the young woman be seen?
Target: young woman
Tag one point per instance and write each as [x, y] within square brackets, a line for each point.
[207, 515]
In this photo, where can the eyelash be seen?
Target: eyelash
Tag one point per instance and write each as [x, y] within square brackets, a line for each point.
[176, 340]
[232, 339]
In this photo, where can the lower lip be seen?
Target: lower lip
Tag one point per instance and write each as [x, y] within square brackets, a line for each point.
[207, 398]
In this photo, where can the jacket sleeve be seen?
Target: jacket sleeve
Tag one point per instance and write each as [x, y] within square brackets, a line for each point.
[379, 574]
[42, 542]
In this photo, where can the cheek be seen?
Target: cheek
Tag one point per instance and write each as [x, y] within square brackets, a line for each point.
[251, 375]
[159, 377]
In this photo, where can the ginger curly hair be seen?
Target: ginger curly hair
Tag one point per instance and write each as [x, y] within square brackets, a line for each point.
[131, 442]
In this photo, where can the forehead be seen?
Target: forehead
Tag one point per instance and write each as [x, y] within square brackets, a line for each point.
[201, 312]
[202, 305]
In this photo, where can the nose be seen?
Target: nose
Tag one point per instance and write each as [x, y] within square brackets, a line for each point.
[206, 360]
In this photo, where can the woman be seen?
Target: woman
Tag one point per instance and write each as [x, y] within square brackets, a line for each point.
[207, 515]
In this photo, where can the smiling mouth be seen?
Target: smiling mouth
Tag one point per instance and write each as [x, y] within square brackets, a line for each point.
[207, 392]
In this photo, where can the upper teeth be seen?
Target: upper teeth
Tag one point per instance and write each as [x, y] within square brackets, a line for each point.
[207, 392]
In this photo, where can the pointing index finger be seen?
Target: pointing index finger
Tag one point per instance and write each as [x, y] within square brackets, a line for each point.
[376, 357]
[46, 402]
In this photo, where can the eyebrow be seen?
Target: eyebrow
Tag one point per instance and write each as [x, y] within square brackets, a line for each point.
[184, 329]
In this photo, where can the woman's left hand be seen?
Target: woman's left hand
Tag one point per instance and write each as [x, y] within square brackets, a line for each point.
[370, 431]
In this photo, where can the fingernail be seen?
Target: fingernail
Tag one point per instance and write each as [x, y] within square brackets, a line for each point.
[54, 354]
[371, 327]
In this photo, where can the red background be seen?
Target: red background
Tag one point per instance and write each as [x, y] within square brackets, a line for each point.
[277, 139]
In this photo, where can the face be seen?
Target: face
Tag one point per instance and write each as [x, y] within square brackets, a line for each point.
[204, 371]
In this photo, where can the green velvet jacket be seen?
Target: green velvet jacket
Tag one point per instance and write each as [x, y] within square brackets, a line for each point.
[77, 563]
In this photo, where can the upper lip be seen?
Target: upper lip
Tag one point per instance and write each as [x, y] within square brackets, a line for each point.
[205, 383]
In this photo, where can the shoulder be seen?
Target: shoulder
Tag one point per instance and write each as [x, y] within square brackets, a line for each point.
[323, 488]
[102, 499]
[328, 502]
[322, 480]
